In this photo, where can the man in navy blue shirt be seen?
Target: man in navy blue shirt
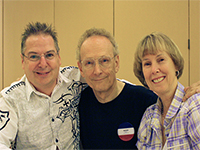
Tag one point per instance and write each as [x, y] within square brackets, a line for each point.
[110, 110]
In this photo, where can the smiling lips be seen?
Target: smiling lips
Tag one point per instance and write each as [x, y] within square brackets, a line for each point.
[98, 80]
[158, 80]
[42, 73]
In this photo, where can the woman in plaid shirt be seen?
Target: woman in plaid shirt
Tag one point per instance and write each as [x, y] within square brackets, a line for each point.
[170, 123]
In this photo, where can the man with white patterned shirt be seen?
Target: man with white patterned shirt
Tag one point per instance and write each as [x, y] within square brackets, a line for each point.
[40, 111]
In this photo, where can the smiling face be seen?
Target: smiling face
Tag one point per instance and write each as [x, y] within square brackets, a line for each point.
[159, 73]
[100, 79]
[42, 74]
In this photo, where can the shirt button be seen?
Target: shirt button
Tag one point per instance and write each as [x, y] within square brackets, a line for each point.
[56, 140]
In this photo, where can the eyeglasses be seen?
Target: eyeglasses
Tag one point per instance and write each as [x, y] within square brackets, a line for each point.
[104, 61]
[35, 57]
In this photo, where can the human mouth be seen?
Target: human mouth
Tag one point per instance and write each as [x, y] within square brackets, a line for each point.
[41, 73]
[97, 79]
[158, 79]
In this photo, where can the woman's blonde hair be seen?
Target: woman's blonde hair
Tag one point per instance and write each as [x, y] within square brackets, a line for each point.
[151, 44]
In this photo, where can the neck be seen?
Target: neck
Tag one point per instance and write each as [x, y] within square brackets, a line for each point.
[166, 101]
[109, 95]
[47, 91]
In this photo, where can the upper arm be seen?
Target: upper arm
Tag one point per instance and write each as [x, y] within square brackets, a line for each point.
[8, 124]
[194, 120]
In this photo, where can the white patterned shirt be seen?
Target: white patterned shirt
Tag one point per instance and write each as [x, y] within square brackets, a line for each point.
[35, 121]
[182, 124]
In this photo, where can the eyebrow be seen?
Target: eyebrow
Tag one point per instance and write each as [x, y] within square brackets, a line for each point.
[97, 57]
[32, 52]
[145, 59]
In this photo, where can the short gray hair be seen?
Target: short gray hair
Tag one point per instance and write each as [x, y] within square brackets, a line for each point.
[96, 32]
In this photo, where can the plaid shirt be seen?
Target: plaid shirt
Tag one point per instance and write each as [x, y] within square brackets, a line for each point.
[182, 124]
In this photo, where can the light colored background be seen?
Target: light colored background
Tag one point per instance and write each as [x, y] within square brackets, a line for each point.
[127, 20]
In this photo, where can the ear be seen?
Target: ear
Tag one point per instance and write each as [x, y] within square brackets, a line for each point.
[22, 60]
[80, 68]
[59, 60]
[116, 63]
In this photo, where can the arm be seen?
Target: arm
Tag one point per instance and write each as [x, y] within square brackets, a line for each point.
[3, 147]
[8, 124]
[194, 122]
[191, 90]
[143, 134]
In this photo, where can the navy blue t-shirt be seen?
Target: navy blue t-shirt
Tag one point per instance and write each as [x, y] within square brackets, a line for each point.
[104, 126]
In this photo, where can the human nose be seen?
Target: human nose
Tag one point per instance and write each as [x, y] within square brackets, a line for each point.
[155, 68]
[42, 61]
[97, 67]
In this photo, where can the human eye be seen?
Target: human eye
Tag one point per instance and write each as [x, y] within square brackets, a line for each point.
[88, 63]
[160, 59]
[49, 55]
[34, 57]
[146, 64]
[104, 60]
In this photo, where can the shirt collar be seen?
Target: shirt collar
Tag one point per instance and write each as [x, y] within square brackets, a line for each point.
[176, 102]
[30, 88]
[173, 109]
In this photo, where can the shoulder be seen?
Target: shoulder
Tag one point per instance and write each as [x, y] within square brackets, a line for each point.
[139, 88]
[140, 92]
[87, 91]
[72, 73]
[150, 111]
[193, 102]
[14, 89]
[67, 71]
[13, 94]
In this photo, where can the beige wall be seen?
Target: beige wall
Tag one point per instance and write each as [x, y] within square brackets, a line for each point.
[195, 41]
[72, 18]
[135, 19]
[1, 34]
[129, 21]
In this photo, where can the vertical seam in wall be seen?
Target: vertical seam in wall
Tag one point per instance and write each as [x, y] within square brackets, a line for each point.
[113, 18]
[189, 71]
[2, 44]
[54, 3]
[54, 13]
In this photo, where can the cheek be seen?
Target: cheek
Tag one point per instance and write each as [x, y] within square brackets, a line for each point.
[146, 74]
[55, 65]
[86, 74]
[30, 67]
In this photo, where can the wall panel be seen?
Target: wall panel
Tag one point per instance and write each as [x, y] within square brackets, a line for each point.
[135, 19]
[72, 18]
[1, 35]
[195, 41]
[16, 15]
[132, 20]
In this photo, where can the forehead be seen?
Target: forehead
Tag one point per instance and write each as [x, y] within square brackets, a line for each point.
[96, 46]
[39, 42]
[156, 55]
[153, 52]
[39, 37]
